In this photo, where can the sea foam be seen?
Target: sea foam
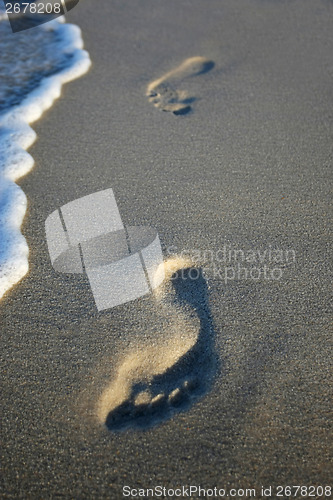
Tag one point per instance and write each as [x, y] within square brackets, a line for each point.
[34, 65]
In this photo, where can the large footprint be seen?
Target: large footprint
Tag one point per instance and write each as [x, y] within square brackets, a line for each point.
[157, 380]
[164, 93]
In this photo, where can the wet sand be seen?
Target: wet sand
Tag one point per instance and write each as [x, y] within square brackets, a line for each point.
[247, 166]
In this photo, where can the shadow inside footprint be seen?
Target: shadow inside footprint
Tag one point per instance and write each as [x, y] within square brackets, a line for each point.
[179, 385]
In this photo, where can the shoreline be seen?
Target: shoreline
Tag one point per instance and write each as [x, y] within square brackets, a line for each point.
[18, 136]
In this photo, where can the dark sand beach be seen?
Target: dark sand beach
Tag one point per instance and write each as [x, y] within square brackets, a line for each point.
[248, 167]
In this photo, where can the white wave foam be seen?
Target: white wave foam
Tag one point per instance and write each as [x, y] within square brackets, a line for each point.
[17, 136]
[3, 14]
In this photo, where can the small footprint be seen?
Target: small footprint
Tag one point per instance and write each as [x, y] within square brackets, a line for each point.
[155, 381]
[164, 92]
